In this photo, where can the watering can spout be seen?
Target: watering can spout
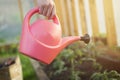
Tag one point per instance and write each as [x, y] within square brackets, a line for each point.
[69, 40]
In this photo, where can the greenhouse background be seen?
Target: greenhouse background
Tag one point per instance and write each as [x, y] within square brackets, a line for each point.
[96, 61]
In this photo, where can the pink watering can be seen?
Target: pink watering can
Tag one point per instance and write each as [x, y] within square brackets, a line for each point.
[43, 40]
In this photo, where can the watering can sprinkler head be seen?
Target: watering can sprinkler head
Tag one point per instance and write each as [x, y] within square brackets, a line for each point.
[85, 38]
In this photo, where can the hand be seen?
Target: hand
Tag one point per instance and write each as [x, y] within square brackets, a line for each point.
[47, 8]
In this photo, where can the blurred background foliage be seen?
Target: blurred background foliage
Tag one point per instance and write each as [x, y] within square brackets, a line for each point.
[10, 30]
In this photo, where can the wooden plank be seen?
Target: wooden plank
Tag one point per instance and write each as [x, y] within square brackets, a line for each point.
[110, 23]
[35, 2]
[16, 70]
[21, 10]
[68, 23]
[39, 71]
[60, 15]
[12, 71]
[64, 16]
[94, 18]
[69, 16]
[74, 14]
[83, 17]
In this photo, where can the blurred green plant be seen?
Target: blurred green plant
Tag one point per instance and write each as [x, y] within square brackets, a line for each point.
[112, 75]
[75, 59]
[2, 40]
[71, 58]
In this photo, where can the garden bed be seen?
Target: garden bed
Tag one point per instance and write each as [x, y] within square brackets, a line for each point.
[78, 62]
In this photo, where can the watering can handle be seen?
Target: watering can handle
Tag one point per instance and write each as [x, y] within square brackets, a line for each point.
[37, 10]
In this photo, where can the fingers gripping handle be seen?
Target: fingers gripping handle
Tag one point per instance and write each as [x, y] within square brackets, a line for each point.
[37, 10]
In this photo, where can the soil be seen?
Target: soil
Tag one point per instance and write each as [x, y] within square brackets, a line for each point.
[110, 60]
[6, 62]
